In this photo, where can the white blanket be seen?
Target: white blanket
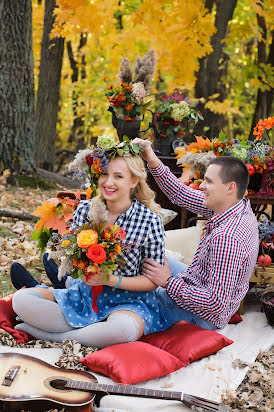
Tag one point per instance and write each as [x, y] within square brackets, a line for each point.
[209, 378]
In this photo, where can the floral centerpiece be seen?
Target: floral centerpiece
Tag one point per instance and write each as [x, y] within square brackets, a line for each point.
[171, 121]
[256, 154]
[128, 100]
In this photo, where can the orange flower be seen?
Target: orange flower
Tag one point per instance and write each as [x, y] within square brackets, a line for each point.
[107, 235]
[267, 123]
[117, 249]
[89, 193]
[80, 264]
[129, 107]
[86, 238]
[110, 87]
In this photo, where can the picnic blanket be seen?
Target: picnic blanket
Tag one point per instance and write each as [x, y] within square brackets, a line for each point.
[209, 377]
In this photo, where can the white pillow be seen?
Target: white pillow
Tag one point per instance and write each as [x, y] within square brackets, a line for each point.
[184, 241]
[167, 215]
[174, 255]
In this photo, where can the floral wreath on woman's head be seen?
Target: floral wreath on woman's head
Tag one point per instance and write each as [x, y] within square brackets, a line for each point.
[91, 162]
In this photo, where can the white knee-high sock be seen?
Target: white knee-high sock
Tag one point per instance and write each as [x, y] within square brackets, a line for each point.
[41, 313]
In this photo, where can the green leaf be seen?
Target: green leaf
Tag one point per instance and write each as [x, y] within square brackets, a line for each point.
[120, 152]
[222, 136]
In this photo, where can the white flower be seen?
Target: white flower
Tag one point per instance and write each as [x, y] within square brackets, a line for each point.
[179, 111]
[106, 142]
[79, 162]
[139, 92]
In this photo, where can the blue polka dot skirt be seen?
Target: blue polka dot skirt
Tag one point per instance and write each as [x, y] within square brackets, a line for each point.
[76, 305]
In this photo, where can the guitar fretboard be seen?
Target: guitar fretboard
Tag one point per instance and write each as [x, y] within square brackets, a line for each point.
[124, 390]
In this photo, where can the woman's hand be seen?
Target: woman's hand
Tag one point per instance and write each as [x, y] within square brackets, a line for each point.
[147, 152]
[95, 280]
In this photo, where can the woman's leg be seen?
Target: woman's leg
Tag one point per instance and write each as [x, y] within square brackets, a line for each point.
[120, 327]
[21, 277]
[52, 273]
[36, 307]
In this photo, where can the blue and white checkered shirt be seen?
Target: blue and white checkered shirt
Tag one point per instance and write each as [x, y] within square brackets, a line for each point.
[144, 235]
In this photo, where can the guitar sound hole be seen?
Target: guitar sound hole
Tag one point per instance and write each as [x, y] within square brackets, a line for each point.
[58, 384]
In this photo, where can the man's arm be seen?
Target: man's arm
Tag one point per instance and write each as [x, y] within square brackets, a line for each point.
[218, 287]
[177, 192]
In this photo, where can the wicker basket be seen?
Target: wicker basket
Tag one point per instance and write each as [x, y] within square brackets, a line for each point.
[267, 304]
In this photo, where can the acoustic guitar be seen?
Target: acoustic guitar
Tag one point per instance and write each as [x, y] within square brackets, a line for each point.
[25, 378]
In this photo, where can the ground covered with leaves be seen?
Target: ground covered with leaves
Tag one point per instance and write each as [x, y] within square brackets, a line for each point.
[254, 393]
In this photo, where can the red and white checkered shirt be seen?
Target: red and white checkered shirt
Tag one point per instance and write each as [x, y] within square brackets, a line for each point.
[217, 280]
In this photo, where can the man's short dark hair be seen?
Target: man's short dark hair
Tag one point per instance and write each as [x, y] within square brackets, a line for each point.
[233, 169]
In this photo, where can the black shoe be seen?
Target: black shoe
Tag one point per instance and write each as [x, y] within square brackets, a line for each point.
[52, 273]
[21, 277]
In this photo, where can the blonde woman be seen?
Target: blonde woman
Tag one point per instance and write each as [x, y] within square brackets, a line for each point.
[127, 307]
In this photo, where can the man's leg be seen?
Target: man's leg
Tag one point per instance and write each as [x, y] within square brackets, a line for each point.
[172, 313]
[176, 266]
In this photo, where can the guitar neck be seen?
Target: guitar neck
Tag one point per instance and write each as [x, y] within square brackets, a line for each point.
[189, 400]
[124, 390]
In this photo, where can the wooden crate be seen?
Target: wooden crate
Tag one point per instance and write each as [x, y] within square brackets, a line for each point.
[263, 275]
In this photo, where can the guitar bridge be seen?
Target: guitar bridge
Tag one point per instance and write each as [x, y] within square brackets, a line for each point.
[10, 375]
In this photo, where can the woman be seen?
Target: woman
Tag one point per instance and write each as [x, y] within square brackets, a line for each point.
[127, 307]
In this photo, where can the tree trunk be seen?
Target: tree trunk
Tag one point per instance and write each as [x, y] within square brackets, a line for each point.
[209, 75]
[269, 93]
[260, 108]
[48, 92]
[16, 86]
[77, 130]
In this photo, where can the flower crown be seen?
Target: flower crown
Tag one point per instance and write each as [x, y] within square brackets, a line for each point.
[91, 162]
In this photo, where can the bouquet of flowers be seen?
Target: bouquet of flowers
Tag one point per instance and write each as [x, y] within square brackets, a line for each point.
[94, 248]
[128, 99]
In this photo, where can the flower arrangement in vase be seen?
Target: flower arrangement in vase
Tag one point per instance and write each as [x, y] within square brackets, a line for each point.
[171, 121]
[128, 101]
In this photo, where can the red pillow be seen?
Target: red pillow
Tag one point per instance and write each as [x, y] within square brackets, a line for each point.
[188, 342]
[130, 363]
[236, 318]
[7, 320]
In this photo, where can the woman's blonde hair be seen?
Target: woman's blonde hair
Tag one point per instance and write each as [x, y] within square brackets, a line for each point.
[142, 191]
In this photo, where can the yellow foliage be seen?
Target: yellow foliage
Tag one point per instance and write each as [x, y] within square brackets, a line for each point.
[222, 107]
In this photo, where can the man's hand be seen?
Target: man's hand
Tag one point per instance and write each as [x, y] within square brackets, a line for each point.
[147, 152]
[155, 272]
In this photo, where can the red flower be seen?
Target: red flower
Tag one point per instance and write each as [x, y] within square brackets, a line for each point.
[181, 133]
[163, 135]
[89, 160]
[96, 253]
[122, 233]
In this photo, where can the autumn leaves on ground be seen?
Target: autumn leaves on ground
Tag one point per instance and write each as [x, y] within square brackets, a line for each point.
[15, 235]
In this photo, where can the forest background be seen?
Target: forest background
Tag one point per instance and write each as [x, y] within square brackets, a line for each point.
[57, 57]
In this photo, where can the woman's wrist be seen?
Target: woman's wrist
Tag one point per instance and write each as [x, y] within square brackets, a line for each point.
[113, 281]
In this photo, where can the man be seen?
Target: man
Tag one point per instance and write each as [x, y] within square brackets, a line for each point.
[210, 290]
